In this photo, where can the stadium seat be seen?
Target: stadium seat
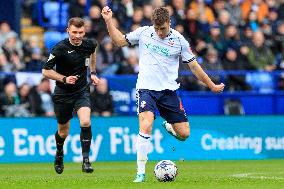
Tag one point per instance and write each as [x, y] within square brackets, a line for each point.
[260, 81]
[51, 11]
[51, 38]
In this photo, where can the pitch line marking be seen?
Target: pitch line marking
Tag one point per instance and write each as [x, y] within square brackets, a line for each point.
[254, 176]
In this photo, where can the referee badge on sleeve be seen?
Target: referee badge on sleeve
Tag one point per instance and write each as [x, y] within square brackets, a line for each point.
[51, 56]
[87, 61]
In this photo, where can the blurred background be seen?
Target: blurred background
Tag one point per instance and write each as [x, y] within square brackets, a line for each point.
[237, 42]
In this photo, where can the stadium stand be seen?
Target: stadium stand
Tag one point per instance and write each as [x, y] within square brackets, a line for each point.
[239, 42]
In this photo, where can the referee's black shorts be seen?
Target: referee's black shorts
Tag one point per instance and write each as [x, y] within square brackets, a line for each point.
[66, 104]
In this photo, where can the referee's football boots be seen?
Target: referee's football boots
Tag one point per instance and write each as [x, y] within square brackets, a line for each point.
[58, 162]
[86, 166]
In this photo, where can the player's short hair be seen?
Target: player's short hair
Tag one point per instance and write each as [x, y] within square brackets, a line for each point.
[76, 21]
[160, 16]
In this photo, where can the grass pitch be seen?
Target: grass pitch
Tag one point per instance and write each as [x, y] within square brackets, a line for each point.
[252, 174]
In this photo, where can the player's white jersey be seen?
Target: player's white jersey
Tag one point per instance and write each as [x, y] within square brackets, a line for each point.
[159, 58]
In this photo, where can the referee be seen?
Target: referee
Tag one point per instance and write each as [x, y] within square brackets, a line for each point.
[67, 64]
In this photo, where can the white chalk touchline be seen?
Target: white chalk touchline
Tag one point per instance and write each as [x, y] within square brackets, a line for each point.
[256, 176]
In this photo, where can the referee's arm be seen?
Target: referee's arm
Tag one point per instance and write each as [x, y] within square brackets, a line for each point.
[51, 74]
[94, 78]
[93, 62]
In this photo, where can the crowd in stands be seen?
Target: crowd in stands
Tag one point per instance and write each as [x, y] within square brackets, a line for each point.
[224, 35]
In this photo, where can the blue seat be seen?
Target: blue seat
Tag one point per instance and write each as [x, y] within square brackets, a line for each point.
[51, 38]
[260, 81]
[51, 11]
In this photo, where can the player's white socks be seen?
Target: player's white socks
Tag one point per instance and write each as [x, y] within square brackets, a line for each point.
[142, 146]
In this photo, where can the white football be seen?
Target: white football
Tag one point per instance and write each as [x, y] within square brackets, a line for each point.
[165, 171]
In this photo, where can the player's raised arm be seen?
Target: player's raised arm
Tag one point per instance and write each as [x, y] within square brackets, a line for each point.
[202, 76]
[117, 37]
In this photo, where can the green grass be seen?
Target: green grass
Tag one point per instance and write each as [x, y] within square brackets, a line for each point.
[192, 174]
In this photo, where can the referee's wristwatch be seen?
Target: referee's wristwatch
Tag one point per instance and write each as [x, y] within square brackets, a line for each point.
[93, 73]
[64, 80]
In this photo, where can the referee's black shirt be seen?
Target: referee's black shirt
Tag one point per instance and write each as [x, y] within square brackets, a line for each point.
[68, 60]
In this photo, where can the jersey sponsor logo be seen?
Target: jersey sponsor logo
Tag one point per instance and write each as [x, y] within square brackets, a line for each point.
[70, 51]
[51, 56]
[157, 49]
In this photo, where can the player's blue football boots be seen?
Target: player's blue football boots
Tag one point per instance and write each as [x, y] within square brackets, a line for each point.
[58, 162]
[140, 178]
[86, 166]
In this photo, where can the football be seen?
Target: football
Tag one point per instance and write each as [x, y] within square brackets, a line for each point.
[165, 171]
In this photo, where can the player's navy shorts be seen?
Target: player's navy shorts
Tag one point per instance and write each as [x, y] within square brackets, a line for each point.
[167, 102]
[65, 103]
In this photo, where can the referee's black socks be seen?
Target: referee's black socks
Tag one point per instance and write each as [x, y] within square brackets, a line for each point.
[59, 142]
[86, 137]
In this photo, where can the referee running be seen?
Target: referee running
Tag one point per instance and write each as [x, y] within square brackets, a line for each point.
[67, 65]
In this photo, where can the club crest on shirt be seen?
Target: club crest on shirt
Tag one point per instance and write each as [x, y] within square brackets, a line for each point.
[143, 104]
[171, 42]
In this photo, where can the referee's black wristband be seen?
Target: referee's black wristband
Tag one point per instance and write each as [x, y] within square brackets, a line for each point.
[93, 73]
[64, 79]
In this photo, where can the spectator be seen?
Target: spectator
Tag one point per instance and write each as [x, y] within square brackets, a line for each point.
[5, 31]
[203, 12]
[102, 103]
[24, 91]
[259, 7]
[41, 104]
[77, 9]
[233, 7]
[108, 57]
[10, 102]
[178, 8]
[233, 62]
[217, 7]
[174, 18]
[33, 55]
[212, 63]
[8, 97]
[273, 19]
[252, 21]
[280, 10]
[215, 39]
[279, 39]
[99, 27]
[12, 44]
[246, 36]
[131, 65]
[232, 37]
[260, 57]
[120, 12]
[266, 29]
[89, 33]
[4, 63]
[147, 12]
[136, 19]
[192, 26]
[224, 21]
